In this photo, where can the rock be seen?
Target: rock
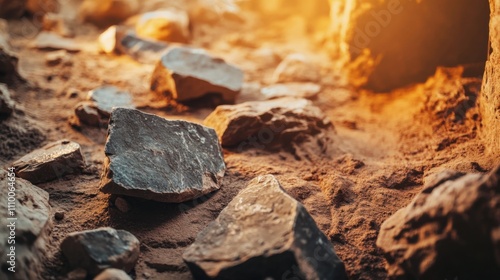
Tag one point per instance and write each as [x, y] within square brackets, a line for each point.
[12, 8]
[104, 13]
[113, 274]
[59, 215]
[184, 74]
[296, 68]
[96, 250]
[164, 25]
[56, 57]
[32, 228]
[122, 204]
[299, 90]
[106, 98]
[263, 234]
[6, 103]
[277, 122]
[51, 41]
[447, 231]
[86, 113]
[187, 163]
[50, 162]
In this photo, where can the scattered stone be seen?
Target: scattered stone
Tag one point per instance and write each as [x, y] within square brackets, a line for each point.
[86, 113]
[164, 25]
[77, 274]
[277, 122]
[104, 13]
[263, 234]
[50, 162]
[31, 231]
[122, 204]
[96, 250]
[184, 74]
[59, 215]
[183, 160]
[51, 41]
[299, 90]
[12, 8]
[56, 57]
[106, 98]
[113, 274]
[6, 103]
[447, 231]
[296, 68]
[56, 23]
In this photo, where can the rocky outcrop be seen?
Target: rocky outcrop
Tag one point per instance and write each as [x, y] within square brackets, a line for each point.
[449, 231]
[263, 234]
[158, 159]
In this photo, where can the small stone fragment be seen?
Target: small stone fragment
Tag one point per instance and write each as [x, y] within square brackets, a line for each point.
[263, 234]
[106, 98]
[59, 215]
[50, 162]
[96, 250]
[122, 204]
[104, 13]
[185, 74]
[86, 113]
[51, 41]
[296, 68]
[299, 90]
[113, 274]
[164, 25]
[56, 57]
[12, 8]
[277, 122]
[6, 103]
[182, 160]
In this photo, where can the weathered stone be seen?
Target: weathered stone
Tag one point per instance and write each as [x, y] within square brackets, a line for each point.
[32, 227]
[182, 160]
[296, 68]
[447, 231]
[86, 113]
[104, 13]
[300, 90]
[106, 98]
[113, 274]
[99, 249]
[50, 162]
[164, 25]
[6, 103]
[12, 8]
[277, 122]
[263, 234]
[184, 74]
[51, 41]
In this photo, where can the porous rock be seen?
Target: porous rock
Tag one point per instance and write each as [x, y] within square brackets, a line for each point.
[158, 159]
[184, 74]
[96, 250]
[263, 234]
[50, 162]
[449, 231]
[164, 25]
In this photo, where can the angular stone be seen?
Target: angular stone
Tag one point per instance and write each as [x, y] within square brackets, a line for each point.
[184, 74]
[104, 13]
[448, 231]
[51, 41]
[50, 162]
[113, 274]
[164, 25]
[269, 123]
[99, 249]
[106, 98]
[12, 8]
[86, 113]
[6, 103]
[299, 90]
[263, 234]
[296, 68]
[158, 159]
[32, 228]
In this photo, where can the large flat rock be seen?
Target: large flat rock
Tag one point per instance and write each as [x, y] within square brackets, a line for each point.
[158, 159]
[263, 234]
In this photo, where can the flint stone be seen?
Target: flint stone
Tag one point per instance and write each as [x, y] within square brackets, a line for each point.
[184, 74]
[158, 159]
[276, 122]
[113, 274]
[299, 90]
[449, 231]
[32, 229]
[50, 162]
[296, 68]
[107, 97]
[6, 103]
[263, 234]
[164, 25]
[51, 41]
[99, 249]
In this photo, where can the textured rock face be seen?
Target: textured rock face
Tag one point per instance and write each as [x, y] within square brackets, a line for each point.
[184, 74]
[50, 162]
[263, 233]
[449, 231]
[165, 25]
[32, 227]
[277, 122]
[104, 13]
[12, 8]
[6, 104]
[96, 250]
[158, 159]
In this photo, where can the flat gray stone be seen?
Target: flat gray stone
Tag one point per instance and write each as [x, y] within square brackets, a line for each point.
[50, 162]
[185, 74]
[6, 103]
[106, 98]
[157, 159]
[263, 234]
[99, 249]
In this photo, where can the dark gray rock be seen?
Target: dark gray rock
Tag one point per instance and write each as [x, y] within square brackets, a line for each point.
[263, 234]
[106, 98]
[50, 162]
[449, 231]
[6, 103]
[158, 159]
[32, 228]
[184, 74]
[99, 249]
